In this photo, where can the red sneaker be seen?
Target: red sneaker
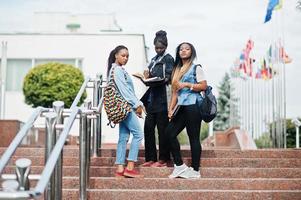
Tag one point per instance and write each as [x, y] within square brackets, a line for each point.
[159, 164]
[119, 174]
[147, 164]
[132, 174]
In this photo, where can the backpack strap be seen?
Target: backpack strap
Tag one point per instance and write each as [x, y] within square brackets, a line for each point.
[194, 71]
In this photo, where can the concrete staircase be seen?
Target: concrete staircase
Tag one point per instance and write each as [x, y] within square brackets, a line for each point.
[226, 174]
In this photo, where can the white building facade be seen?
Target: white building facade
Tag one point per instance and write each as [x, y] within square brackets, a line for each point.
[87, 51]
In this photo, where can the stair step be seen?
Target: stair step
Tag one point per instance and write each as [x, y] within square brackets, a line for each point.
[116, 194]
[206, 172]
[186, 184]
[205, 162]
[73, 151]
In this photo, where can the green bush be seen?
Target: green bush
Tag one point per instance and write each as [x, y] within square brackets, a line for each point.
[264, 141]
[51, 82]
[291, 134]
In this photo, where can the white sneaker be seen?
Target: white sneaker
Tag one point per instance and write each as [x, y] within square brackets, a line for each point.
[190, 173]
[178, 170]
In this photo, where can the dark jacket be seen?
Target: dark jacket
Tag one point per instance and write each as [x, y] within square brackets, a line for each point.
[155, 98]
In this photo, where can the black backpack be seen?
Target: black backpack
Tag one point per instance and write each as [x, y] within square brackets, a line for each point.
[208, 107]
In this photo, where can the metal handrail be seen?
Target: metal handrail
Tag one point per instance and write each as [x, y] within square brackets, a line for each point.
[19, 137]
[80, 93]
[51, 162]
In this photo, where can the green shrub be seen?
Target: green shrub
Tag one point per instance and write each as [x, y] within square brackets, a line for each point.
[264, 141]
[291, 134]
[51, 82]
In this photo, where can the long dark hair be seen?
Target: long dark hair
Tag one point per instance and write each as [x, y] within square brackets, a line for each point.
[112, 58]
[178, 60]
[178, 72]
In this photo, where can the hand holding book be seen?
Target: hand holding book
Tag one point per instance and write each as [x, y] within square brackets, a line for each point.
[149, 81]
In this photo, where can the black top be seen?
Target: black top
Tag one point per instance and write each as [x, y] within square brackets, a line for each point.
[155, 98]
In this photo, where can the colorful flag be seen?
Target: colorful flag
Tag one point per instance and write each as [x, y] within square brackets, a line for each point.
[271, 6]
[279, 6]
[283, 56]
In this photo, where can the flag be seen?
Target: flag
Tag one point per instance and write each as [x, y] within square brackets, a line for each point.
[283, 56]
[279, 6]
[271, 6]
[258, 74]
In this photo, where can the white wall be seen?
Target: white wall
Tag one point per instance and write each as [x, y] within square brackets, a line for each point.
[93, 49]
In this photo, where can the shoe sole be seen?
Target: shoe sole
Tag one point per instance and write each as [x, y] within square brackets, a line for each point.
[132, 176]
[178, 174]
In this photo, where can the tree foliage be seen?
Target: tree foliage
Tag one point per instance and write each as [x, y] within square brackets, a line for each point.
[222, 120]
[51, 82]
[291, 134]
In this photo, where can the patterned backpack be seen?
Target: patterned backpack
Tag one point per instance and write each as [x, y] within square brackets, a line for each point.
[116, 107]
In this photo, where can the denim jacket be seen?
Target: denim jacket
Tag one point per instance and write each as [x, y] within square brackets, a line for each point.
[125, 85]
[185, 95]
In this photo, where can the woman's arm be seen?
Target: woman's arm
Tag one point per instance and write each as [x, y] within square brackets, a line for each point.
[173, 102]
[124, 89]
[196, 87]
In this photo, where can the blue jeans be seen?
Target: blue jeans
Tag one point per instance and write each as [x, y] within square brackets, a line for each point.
[127, 126]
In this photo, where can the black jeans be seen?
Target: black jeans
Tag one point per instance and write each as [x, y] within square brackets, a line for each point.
[159, 119]
[187, 117]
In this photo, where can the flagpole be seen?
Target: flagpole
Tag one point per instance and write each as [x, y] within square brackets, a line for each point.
[3, 78]
[284, 82]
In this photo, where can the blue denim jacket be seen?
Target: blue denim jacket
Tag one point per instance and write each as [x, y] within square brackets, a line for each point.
[125, 85]
[186, 96]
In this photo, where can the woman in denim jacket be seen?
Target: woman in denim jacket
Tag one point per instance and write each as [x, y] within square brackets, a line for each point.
[187, 82]
[155, 102]
[116, 61]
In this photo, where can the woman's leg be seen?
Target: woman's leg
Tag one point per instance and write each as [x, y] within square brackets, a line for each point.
[133, 126]
[164, 144]
[124, 134]
[193, 126]
[149, 138]
[173, 129]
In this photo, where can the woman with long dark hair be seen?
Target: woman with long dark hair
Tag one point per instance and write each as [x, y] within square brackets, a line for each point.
[187, 82]
[155, 101]
[130, 125]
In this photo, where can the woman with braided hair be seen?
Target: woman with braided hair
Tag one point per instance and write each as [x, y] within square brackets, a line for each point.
[130, 125]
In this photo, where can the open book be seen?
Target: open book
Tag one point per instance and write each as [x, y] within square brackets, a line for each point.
[149, 81]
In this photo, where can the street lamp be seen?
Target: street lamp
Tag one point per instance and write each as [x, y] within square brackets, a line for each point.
[297, 124]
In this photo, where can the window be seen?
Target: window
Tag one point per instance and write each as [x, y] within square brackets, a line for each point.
[18, 68]
[15, 72]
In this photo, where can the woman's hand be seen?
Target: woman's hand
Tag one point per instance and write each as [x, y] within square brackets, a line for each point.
[180, 85]
[146, 73]
[139, 111]
[169, 114]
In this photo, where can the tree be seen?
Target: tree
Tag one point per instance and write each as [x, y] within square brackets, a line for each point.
[222, 120]
[291, 134]
[299, 5]
[51, 82]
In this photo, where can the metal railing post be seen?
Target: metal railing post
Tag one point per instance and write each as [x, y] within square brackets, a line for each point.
[96, 122]
[58, 107]
[83, 176]
[297, 138]
[50, 142]
[88, 105]
[99, 116]
[22, 172]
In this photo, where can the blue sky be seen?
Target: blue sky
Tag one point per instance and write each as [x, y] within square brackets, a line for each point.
[218, 29]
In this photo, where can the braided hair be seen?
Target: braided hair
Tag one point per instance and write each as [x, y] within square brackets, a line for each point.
[112, 58]
[161, 37]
